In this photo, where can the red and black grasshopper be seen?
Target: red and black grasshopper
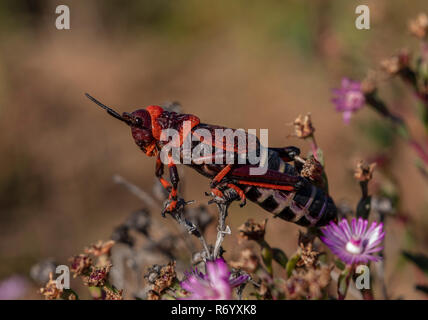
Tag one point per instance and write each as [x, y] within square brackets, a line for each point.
[280, 190]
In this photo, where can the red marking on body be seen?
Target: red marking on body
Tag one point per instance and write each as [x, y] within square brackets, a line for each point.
[267, 185]
[155, 112]
[194, 121]
[165, 183]
[171, 207]
[151, 150]
[238, 191]
[222, 173]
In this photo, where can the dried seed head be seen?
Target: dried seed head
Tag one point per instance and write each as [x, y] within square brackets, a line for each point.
[308, 284]
[305, 238]
[80, 264]
[364, 171]
[113, 294]
[264, 292]
[50, 290]
[308, 256]
[161, 277]
[303, 126]
[312, 169]
[397, 63]
[419, 26]
[98, 276]
[252, 230]
[248, 261]
[100, 248]
[153, 295]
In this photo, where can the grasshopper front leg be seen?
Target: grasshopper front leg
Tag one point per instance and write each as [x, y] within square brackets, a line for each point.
[170, 187]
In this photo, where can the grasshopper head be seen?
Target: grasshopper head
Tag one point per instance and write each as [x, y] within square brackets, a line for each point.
[140, 123]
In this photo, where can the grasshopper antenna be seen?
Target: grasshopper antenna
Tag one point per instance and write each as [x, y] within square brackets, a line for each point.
[110, 111]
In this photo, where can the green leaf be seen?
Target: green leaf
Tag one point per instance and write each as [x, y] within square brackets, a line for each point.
[343, 283]
[320, 155]
[291, 264]
[339, 264]
[267, 256]
[67, 293]
[280, 257]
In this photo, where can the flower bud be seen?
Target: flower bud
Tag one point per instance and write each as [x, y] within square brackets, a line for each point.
[100, 248]
[303, 127]
[397, 63]
[252, 230]
[312, 169]
[419, 26]
[98, 276]
[80, 264]
[248, 261]
[364, 171]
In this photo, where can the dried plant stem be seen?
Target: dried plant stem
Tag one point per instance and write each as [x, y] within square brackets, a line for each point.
[351, 290]
[222, 228]
[409, 76]
[379, 106]
[148, 200]
[364, 189]
[135, 190]
[381, 263]
[189, 226]
[420, 151]
[314, 147]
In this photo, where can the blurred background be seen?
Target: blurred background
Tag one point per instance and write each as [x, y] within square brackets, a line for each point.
[249, 64]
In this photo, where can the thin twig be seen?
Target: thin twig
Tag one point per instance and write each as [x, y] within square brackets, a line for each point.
[222, 204]
[222, 228]
[141, 194]
[178, 215]
[148, 200]
[381, 263]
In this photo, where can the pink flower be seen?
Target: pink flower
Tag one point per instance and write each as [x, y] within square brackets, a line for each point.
[354, 244]
[349, 98]
[216, 284]
[13, 288]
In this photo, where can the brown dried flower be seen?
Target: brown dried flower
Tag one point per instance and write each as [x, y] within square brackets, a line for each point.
[308, 284]
[252, 230]
[308, 256]
[80, 264]
[153, 295]
[98, 276]
[364, 171]
[264, 291]
[161, 277]
[113, 294]
[248, 261]
[312, 169]
[419, 26]
[100, 248]
[397, 63]
[303, 126]
[50, 290]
